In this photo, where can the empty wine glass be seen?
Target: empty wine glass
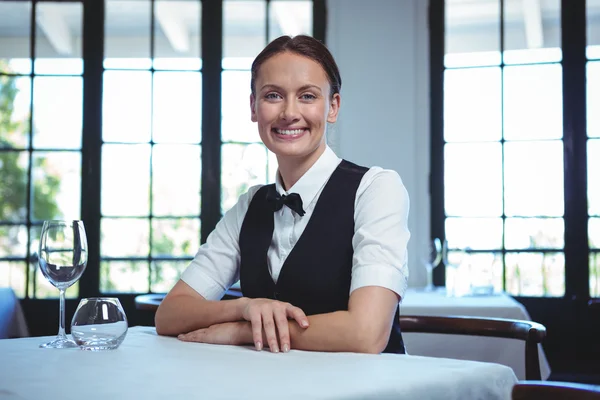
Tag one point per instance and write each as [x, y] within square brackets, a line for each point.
[432, 260]
[63, 255]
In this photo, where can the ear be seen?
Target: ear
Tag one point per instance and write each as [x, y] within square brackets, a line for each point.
[253, 108]
[334, 108]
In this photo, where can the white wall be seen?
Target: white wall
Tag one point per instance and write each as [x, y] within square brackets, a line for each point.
[382, 49]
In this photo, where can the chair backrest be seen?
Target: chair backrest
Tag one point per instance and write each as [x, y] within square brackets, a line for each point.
[531, 332]
[546, 390]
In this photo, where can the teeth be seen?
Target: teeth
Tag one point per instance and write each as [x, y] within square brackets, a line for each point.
[289, 131]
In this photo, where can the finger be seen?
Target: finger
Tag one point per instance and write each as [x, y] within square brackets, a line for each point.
[256, 322]
[297, 314]
[271, 335]
[283, 329]
[194, 336]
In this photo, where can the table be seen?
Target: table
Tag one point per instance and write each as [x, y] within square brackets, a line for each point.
[12, 319]
[148, 366]
[509, 352]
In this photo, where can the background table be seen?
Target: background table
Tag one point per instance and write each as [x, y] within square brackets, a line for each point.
[148, 366]
[508, 352]
[12, 319]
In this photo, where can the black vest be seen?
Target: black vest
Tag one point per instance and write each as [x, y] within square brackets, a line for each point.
[316, 274]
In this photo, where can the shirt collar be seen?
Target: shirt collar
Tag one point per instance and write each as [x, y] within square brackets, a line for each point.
[314, 179]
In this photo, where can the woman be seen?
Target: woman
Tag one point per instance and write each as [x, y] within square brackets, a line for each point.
[321, 254]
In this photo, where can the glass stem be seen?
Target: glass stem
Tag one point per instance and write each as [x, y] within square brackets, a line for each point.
[61, 315]
[429, 277]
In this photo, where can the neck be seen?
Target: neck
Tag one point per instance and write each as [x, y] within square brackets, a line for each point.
[292, 169]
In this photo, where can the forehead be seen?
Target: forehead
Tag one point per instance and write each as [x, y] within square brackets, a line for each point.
[291, 69]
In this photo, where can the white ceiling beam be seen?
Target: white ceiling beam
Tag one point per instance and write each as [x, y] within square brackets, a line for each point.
[534, 27]
[173, 26]
[52, 22]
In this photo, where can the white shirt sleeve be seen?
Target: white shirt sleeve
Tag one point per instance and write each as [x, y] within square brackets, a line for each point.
[216, 265]
[381, 232]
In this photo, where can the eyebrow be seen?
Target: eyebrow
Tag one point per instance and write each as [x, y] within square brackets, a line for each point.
[279, 88]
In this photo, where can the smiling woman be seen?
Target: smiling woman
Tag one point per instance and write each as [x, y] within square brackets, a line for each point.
[320, 254]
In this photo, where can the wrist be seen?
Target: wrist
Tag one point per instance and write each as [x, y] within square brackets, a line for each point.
[241, 304]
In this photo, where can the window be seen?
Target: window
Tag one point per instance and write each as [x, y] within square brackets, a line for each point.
[160, 160]
[502, 145]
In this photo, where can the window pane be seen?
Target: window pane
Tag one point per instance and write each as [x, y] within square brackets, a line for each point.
[126, 180]
[127, 34]
[15, 97]
[176, 180]
[175, 237]
[58, 42]
[594, 233]
[56, 185]
[57, 119]
[593, 29]
[126, 105]
[535, 274]
[243, 166]
[13, 185]
[473, 179]
[595, 274]
[177, 107]
[34, 242]
[533, 179]
[124, 277]
[472, 105]
[593, 178]
[532, 31]
[235, 108]
[14, 36]
[272, 167]
[244, 32]
[472, 33]
[484, 269]
[13, 241]
[535, 233]
[474, 233]
[533, 102]
[125, 237]
[290, 18]
[177, 34]
[12, 275]
[593, 99]
[165, 275]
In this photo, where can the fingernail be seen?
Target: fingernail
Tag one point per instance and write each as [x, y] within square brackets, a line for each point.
[258, 346]
[305, 323]
[275, 349]
[286, 348]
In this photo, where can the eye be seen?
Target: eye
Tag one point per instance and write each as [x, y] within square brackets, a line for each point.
[308, 96]
[272, 96]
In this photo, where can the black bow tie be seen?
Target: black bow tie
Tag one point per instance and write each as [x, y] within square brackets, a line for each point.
[293, 201]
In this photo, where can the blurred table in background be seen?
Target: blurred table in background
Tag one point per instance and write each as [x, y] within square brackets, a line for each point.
[508, 352]
[12, 319]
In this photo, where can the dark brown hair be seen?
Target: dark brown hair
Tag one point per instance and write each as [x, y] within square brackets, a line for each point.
[303, 45]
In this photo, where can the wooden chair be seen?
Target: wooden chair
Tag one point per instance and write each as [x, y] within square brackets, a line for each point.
[546, 390]
[531, 332]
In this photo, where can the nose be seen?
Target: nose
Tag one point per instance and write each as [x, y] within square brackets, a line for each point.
[290, 111]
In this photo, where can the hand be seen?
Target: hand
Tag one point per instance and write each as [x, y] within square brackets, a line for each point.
[227, 333]
[272, 314]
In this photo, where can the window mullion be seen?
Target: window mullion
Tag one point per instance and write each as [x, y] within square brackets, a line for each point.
[212, 54]
[573, 21]
[91, 151]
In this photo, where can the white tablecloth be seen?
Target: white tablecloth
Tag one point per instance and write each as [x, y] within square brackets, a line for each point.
[148, 366]
[508, 352]
[12, 320]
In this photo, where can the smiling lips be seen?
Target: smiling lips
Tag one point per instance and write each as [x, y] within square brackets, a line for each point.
[290, 133]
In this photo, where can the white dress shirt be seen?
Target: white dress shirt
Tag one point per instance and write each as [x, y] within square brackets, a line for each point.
[380, 233]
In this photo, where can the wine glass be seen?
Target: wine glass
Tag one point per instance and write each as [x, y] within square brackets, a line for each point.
[63, 256]
[432, 260]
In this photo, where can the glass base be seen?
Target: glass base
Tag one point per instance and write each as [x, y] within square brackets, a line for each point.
[59, 343]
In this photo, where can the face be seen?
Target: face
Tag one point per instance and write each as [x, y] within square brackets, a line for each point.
[293, 105]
